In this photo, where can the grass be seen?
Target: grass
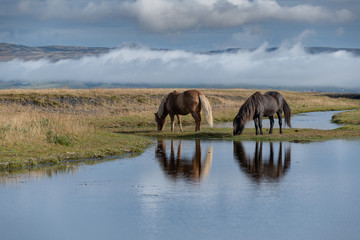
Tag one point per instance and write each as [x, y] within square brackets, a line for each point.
[54, 125]
[348, 117]
[289, 134]
[31, 136]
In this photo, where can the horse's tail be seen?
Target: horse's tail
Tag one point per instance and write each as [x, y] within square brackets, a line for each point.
[205, 105]
[287, 112]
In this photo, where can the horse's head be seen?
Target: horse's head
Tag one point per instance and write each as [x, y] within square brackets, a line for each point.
[238, 124]
[160, 122]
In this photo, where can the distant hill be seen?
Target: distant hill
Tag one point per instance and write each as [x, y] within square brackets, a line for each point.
[9, 51]
[310, 50]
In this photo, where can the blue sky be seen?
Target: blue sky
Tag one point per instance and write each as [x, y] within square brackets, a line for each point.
[187, 27]
[181, 24]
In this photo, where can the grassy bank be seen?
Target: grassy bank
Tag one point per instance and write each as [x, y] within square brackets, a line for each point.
[348, 117]
[50, 126]
[289, 135]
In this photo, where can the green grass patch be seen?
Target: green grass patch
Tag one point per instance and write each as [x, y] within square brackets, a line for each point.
[99, 145]
[289, 134]
[348, 117]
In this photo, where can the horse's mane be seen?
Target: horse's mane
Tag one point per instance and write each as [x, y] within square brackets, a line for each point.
[161, 109]
[248, 109]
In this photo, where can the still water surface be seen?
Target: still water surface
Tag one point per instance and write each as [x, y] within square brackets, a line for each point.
[192, 190]
[312, 120]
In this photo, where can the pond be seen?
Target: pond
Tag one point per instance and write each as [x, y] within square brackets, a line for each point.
[192, 190]
[312, 120]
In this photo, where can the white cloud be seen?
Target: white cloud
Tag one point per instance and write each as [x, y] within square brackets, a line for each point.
[286, 66]
[178, 15]
[162, 15]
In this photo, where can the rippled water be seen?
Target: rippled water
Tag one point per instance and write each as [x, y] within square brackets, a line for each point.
[192, 190]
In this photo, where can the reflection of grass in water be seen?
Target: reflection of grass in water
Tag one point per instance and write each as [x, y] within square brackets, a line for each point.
[52, 125]
[16, 176]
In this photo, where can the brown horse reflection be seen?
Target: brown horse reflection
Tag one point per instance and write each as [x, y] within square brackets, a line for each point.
[260, 167]
[177, 166]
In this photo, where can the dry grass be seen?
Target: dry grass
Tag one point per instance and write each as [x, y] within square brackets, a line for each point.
[134, 107]
[27, 124]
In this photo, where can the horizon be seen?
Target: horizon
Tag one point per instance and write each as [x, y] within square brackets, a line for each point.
[125, 44]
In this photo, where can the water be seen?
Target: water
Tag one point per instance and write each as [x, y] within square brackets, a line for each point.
[192, 190]
[312, 120]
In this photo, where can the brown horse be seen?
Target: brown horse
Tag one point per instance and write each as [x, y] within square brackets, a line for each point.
[258, 106]
[190, 101]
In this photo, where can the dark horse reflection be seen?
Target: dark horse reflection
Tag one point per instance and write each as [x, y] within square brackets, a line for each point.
[261, 166]
[177, 166]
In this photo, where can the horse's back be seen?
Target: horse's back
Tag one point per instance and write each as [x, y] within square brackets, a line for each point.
[275, 95]
[185, 102]
[271, 102]
[192, 94]
[191, 100]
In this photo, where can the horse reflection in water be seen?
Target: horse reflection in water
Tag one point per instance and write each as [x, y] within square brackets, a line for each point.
[177, 166]
[260, 167]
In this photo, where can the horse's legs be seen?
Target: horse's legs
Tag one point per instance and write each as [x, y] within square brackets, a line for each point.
[280, 120]
[260, 124]
[197, 117]
[256, 126]
[172, 122]
[179, 122]
[271, 124]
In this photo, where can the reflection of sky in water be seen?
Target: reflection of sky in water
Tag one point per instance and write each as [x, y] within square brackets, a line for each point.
[315, 198]
[313, 120]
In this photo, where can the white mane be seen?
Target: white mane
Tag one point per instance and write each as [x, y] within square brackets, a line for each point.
[161, 109]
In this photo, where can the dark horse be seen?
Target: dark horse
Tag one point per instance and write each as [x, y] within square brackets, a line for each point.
[258, 106]
[190, 101]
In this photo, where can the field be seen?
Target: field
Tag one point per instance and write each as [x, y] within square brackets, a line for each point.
[52, 125]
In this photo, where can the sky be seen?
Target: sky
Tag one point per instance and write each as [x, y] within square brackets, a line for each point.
[187, 27]
[180, 24]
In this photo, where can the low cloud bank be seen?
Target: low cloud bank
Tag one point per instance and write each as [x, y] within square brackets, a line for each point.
[286, 67]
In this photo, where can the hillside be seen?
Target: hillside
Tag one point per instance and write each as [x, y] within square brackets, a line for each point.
[9, 52]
